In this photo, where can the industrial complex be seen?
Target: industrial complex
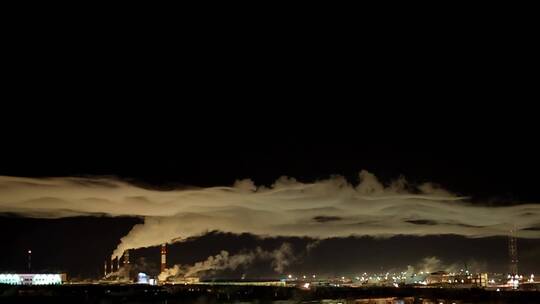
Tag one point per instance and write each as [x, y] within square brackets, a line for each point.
[122, 282]
[120, 271]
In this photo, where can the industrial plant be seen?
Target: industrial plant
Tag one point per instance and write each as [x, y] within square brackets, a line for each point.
[121, 271]
[122, 280]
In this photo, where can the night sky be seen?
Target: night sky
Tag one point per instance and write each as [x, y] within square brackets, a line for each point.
[493, 171]
[130, 106]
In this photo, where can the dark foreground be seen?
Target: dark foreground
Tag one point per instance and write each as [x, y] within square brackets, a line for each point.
[254, 294]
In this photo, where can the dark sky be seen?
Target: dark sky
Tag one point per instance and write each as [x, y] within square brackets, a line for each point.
[440, 112]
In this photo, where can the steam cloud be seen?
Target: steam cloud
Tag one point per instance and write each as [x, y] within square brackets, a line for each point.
[432, 264]
[326, 208]
[280, 258]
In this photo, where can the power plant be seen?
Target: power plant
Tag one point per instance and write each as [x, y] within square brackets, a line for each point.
[121, 271]
[461, 279]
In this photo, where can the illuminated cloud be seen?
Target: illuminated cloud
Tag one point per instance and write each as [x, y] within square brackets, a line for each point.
[326, 208]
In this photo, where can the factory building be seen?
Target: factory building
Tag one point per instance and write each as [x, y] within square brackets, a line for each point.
[32, 279]
[457, 279]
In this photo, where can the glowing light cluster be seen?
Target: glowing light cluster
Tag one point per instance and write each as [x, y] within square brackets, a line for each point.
[46, 279]
[11, 279]
[30, 279]
[142, 278]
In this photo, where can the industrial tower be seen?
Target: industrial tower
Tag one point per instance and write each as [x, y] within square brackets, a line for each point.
[163, 257]
[512, 252]
[126, 257]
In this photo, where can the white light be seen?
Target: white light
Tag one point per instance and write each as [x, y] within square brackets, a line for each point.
[29, 251]
[290, 276]
[306, 286]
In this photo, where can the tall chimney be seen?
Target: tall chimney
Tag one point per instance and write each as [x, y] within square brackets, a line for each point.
[126, 257]
[105, 269]
[163, 257]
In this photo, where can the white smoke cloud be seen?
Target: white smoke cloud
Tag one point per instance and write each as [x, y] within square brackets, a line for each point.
[280, 258]
[174, 271]
[326, 208]
[312, 245]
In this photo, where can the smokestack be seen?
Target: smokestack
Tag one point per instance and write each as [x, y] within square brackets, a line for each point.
[118, 264]
[163, 257]
[105, 269]
[29, 260]
[127, 266]
[112, 265]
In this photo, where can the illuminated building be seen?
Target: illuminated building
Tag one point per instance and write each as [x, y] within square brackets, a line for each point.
[32, 279]
[457, 279]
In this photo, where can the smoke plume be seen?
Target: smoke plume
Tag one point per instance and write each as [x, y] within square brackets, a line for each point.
[280, 258]
[326, 208]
